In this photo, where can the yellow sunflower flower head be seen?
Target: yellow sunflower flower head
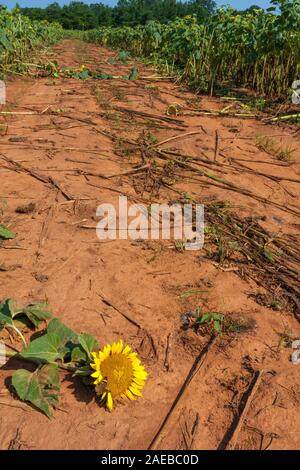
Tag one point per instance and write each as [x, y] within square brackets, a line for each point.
[118, 373]
[82, 68]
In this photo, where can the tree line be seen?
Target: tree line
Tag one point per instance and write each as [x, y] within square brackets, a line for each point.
[81, 16]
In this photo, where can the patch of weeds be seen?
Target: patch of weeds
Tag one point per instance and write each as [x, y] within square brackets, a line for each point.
[3, 129]
[208, 323]
[238, 324]
[286, 338]
[123, 57]
[50, 68]
[58, 110]
[156, 247]
[225, 247]
[258, 103]
[268, 300]
[213, 320]
[122, 149]
[186, 198]
[9, 107]
[151, 138]
[268, 145]
[191, 292]
[285, 153]
[101, 100]
[151, 87]
[173, 110]
[179, 246]
[118, 94]
[111, 61]
[195, 102]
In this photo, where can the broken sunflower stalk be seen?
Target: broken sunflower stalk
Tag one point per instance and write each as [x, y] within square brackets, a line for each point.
[115, 372]
[118, 373]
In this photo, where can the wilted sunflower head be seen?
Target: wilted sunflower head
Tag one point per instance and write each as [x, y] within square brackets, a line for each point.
[120, 372]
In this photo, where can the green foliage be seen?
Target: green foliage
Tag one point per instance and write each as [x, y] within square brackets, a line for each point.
[212, 318]
[80, 16]
[48, 348]
[256, 48]
[5, 233]
[60, 343]
[19, 37]
[123, 56]
[58, 347]
[40, 388]
[31, 315]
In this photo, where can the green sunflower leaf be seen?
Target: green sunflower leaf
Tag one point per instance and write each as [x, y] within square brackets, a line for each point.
[5, 233]
[5, 41]
[78, 355]
[66, 335]
[133, 74]
[40, 388]
[6, 313]
[47, 348]
[36, 313]
[88, 343]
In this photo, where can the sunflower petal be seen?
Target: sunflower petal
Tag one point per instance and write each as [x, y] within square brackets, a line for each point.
[120, 347]
[129, 395]
[138, 382]
[135, 391]
[95, 374]
[109, 402]
[126, 350]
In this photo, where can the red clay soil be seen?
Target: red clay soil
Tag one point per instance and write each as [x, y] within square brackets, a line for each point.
[236, 390]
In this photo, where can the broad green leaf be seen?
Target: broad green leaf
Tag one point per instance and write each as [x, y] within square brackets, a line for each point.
[217, 326]
[41, 388]
[204, 318]
[5, 41]
[78, 355]
[47, 348]
[82, 352]
[133, 74]
[83, 75]
[65, 333]
[88, 343]
[83, 371]
[6, 313]
[5, 233]
[123, 56]
[37, 313]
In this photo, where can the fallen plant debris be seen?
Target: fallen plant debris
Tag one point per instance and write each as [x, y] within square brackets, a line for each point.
[52, 69]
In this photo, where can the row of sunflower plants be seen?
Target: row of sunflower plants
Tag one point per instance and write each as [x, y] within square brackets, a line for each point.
[20, 38]
[258, 48]
[114, 372]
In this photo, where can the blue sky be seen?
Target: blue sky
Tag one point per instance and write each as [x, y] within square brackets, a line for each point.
[240, 4]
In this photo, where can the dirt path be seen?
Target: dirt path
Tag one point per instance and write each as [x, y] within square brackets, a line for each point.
[57, 256]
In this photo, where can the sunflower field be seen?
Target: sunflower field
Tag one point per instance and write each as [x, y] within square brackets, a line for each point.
[258, 48]
[20, 38]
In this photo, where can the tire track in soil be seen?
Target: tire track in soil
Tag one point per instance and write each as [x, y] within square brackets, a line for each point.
[62, 261]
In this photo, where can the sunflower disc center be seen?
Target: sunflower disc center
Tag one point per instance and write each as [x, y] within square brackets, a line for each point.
[118, 371]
